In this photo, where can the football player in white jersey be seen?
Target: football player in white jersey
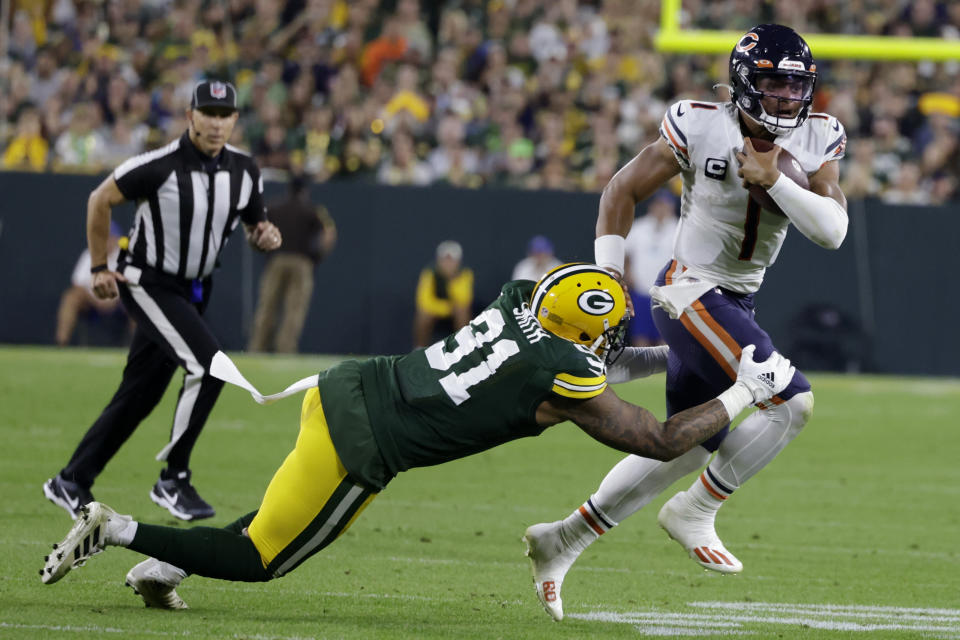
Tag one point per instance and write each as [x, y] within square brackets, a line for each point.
[703, 301]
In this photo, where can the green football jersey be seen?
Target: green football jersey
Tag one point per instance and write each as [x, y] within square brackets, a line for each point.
[478, 388]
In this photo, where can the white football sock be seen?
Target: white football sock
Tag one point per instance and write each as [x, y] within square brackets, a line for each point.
[120, 532]
[706, 494]
[757, 440]
[583, 526]
[636, 481]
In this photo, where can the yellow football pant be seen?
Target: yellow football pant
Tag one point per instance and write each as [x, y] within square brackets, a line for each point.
[310, 501]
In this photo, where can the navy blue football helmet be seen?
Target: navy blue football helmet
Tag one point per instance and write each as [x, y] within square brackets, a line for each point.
[773, 61]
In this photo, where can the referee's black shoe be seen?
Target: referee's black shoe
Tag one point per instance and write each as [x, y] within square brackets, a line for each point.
[67, 495]
[174, 493]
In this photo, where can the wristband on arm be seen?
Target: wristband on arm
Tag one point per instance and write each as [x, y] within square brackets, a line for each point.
[98, 268]
[736, 399]
[608, 251]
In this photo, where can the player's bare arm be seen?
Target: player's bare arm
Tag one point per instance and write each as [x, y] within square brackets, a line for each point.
[99, 205]
[633, 429]
[633, 183]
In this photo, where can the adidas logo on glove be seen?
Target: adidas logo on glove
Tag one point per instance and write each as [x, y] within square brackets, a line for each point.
[767, 378]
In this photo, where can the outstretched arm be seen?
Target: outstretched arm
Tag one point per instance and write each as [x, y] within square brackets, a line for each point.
[633, 429]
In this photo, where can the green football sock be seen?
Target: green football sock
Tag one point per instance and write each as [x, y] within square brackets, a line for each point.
[241, 523]
[204, 551]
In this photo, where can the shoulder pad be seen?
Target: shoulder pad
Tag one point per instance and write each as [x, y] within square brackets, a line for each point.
[832, 133]
[583, 374]
[673, 131]
[685, 122]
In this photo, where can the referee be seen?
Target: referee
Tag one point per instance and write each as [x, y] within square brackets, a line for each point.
[190, 195]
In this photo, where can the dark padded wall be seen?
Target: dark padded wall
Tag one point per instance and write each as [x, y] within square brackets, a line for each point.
[363, 300]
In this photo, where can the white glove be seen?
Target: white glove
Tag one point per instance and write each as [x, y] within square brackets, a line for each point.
[756, 381]
[764, 379]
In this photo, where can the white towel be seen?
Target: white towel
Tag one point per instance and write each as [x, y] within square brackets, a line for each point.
[676, 297]
[223, 368]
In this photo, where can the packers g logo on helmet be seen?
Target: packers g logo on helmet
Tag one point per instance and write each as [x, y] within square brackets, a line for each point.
[582, 303]
[596, 303]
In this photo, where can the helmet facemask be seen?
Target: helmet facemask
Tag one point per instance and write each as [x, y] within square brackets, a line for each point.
[793, 92]
[610, 344]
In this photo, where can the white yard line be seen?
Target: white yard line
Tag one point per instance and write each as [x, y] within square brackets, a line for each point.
[732, 617]
[845, 609]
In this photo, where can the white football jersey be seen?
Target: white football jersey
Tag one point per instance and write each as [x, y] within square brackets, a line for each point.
[724, 236]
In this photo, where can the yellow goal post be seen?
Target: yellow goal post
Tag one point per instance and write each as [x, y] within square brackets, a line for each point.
[671, 38]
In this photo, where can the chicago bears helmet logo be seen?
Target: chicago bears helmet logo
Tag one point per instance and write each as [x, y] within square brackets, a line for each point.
[748, 42]
[596, 302]
[218, 90]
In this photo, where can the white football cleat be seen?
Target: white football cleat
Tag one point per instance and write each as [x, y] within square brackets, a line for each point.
[550, 560]
[156, 582]
[694, 530]
[86, 538]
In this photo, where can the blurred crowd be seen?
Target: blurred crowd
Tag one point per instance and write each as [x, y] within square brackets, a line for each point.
[533, 94]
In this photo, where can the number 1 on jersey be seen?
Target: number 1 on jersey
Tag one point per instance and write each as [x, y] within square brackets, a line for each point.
[750, 230]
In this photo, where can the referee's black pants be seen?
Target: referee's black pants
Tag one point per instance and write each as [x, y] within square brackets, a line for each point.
[170, 332]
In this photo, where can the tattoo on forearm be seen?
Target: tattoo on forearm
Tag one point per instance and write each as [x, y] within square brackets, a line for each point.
[633, 429]
[689, 428]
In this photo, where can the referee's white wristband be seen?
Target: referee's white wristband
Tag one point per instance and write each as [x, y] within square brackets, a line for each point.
[736, 399]
[608, 252]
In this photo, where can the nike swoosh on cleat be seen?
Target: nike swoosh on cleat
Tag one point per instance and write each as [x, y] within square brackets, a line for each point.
[73, 502]
[172, 497]
[836, 125]
[679, 110]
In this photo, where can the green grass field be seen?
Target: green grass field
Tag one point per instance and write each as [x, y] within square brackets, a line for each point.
[850, 533]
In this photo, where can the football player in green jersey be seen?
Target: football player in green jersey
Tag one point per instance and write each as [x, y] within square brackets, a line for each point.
[536, 357]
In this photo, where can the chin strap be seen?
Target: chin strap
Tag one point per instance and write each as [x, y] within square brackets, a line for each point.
[597, 346]
[777, 130]
[610, 343]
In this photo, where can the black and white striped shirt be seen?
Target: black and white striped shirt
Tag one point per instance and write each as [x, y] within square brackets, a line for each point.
[187, 205]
